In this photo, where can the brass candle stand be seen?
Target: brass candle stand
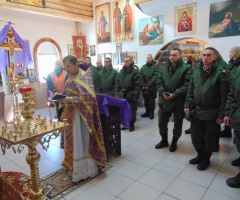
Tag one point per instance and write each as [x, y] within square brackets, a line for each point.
[30, 132]
[15, 84]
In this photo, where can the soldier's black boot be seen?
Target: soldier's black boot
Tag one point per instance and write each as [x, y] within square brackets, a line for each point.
[234, 182]
[198, 159]
[236, 162]
[188, 131]
[146, 114]
[173, 146]
[227, 132]
[163, 143]
[131, 128]
[205, 162]
[151, 114]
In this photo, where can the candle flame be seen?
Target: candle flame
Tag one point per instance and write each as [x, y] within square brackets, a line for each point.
[48, 103]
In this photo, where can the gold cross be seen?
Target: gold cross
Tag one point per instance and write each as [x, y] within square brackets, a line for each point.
[10, 46]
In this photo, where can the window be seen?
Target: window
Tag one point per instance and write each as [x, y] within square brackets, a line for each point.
[47, 55]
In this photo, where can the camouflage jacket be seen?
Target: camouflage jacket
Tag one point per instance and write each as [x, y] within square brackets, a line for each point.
[232, 107]
[108, 78]
[149, 74]
[232, 65]
[174, 80]
[99, 69]
[129, 84]
[208, 89]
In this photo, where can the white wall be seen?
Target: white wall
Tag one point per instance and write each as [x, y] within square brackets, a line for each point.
[34, 27]
[222, 44]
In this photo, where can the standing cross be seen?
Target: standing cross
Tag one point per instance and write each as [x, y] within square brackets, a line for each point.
[10, 46]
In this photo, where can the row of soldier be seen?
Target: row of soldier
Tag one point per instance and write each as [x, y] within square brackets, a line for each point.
[201, 94]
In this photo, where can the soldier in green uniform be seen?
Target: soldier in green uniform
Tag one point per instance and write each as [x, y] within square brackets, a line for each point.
[234, 66]
[232, 118]
[94, 74]
[234, 63]
[108, 78]
[227, 131]
[149, 73]
[172, 84]
[99, 66]
[206, 97]
[128, 86]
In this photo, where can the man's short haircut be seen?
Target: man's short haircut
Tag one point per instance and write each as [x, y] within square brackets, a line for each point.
[177, 49]
[236, 50]
[108, 59]
[99, 61]
[212, 49]
[72, 59]
[89, 58]
[150, 55]
[129, 57]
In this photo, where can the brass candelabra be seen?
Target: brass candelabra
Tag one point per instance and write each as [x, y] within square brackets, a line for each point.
[30, 132]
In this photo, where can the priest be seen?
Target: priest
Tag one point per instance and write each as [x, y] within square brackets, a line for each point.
[84, 146]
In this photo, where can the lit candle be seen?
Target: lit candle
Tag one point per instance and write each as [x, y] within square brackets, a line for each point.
[49, 110]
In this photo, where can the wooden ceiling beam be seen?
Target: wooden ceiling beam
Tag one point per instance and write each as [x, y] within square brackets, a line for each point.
[84, 3]
[68, 9]
[69, 4]
[46, 12]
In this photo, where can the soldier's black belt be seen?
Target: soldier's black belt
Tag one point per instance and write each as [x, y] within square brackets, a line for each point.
[207, 107]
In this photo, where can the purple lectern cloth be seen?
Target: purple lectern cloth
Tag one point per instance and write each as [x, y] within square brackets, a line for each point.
[104, 100]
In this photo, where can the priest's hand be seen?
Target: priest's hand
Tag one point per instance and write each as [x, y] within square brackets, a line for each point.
[64, 101]
[226, 120]
[186, 110]
[219, 121]
[62, 118]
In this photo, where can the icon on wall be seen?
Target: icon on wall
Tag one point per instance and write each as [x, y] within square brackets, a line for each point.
[224, 19]
[70, 49]
[103, 26]
[80, 46]
[108, 55]
[134, 56]
[123, 20]
[92, 50]
[185, 19]
[119, 47]
[151, 30]
[115, 59]
[31, 75]
[101, 57]
[37, 3]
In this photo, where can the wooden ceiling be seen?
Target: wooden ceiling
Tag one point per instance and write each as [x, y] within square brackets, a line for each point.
[74, 10]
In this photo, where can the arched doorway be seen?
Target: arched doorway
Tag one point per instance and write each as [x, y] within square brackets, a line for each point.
[190, 46]
[46, 50]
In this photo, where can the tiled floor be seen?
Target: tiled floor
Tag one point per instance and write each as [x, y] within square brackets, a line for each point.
[142, 172]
